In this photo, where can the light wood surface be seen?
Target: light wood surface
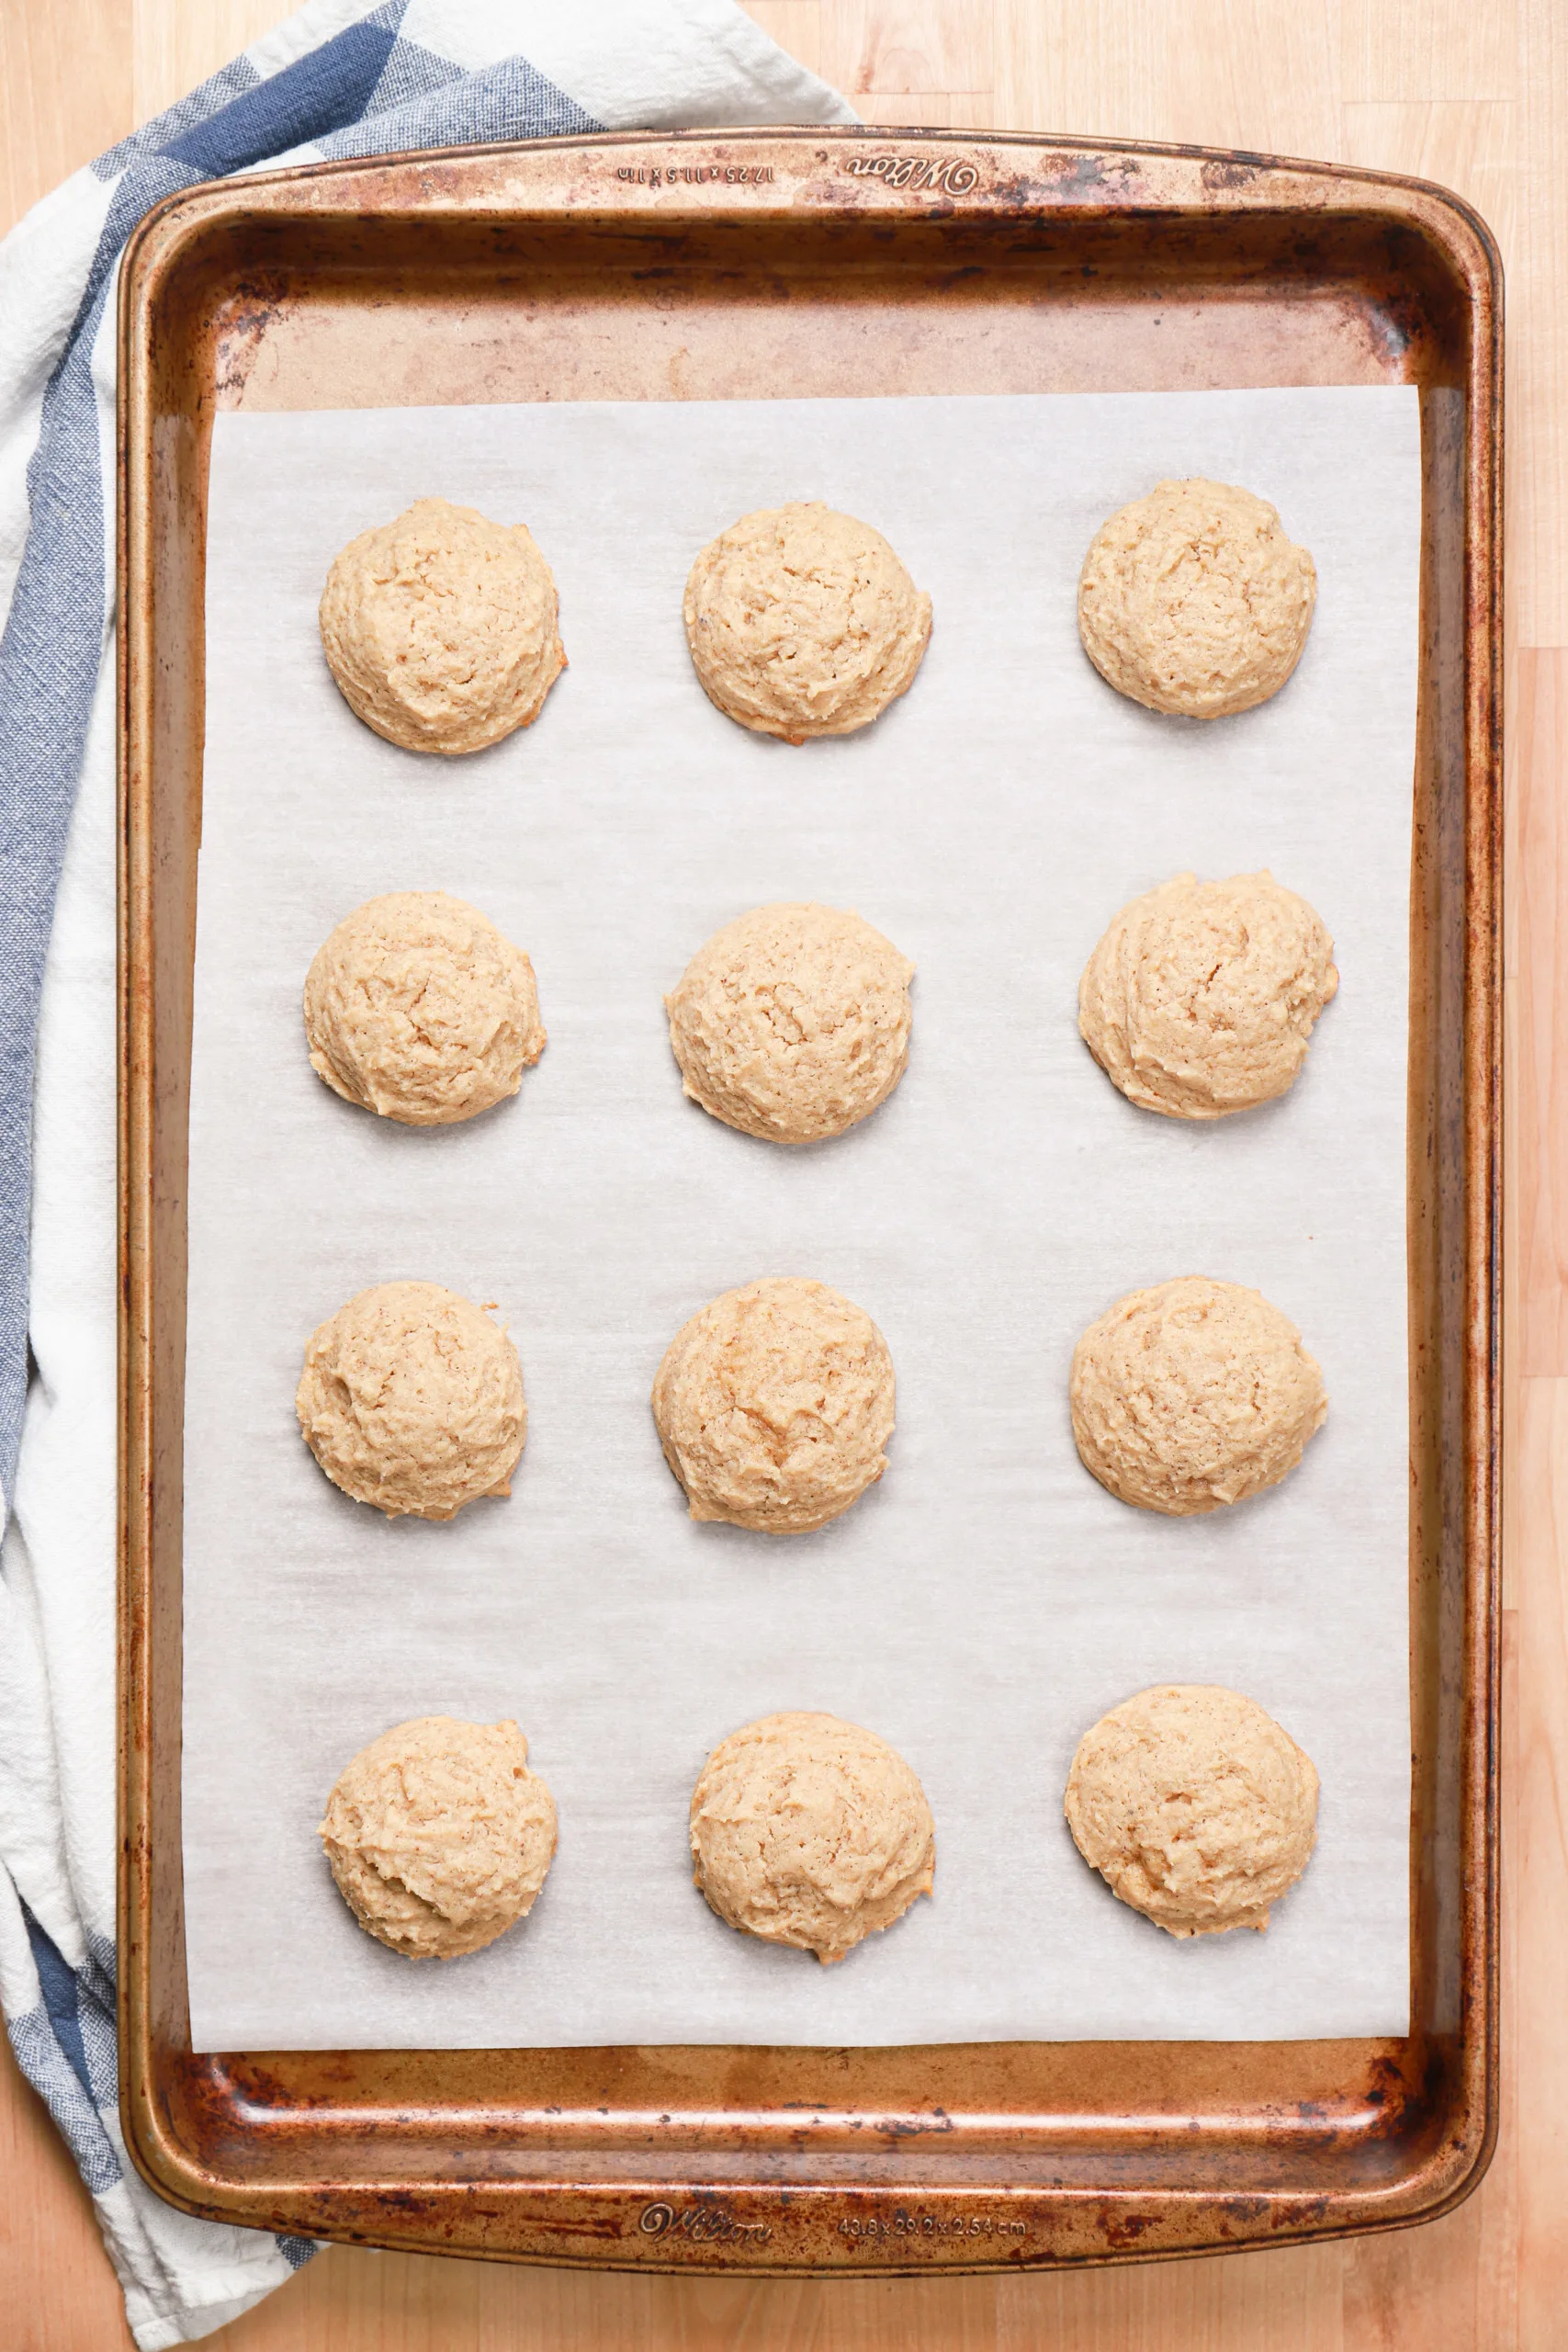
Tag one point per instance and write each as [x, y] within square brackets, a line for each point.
[1472, 93]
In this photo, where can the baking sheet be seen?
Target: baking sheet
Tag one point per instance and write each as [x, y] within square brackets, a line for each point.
[984, 1603]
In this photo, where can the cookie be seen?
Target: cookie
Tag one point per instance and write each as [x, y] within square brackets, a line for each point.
[440, 628]
[1194, 1806]
[1192, 599]
[812, 1832]
[792, 1023]
[773, 1406]
[1201, 999]
[417, 1007]
[802, 622]
[412, 1399]
[1192, 1394]
[439, 1835]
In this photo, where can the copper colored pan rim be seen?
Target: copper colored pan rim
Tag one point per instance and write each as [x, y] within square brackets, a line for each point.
[1246, 164]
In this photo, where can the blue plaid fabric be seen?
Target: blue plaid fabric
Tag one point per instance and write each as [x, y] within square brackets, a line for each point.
[337, 81]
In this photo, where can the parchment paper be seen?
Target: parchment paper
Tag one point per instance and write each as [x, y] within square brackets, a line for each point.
[984, 1603]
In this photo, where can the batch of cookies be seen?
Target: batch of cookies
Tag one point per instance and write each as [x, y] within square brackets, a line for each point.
[774, 1403]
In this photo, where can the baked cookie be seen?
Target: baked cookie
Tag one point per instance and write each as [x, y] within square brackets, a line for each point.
[440, 628]
[803, 621]
[1191, 1395]
[417, 1007]
[773, 1406]
[1193, 600]
[792, 1023]
[1194, 1807]
[1201, 996]
[439, 1836]
[412, 1399]
[811, 1832]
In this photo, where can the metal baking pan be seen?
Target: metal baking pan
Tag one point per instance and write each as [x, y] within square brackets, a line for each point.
[829, 262]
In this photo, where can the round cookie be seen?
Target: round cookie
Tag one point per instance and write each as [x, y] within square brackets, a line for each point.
[792, 1023]
[1192, 1394]
[440, 628]
[1201, 999]
[412, 1399]
[773, 1405]
[417, 1007]
[802, 622]
[1195, 1807]
[439, 1835]
[1192, 599]
[809, 1831]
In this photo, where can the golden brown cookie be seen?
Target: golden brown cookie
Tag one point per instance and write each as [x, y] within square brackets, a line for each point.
[418, 1008]
[1192, 1394]
[1201, 999]
[412, 1399]
[802, 621]
[1194, 1806]
[440, 628]
[1192, 599]
[439, 1835]
[792, 1023]
[773, 1405]
[809, 1831]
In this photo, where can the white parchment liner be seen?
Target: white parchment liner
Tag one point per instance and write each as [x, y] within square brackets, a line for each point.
[987, 1601]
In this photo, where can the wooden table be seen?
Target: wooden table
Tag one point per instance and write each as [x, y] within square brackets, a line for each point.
[1472, 93]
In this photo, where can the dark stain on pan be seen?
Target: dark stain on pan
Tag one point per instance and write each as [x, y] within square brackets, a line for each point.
[242, 326]
[1231, 171]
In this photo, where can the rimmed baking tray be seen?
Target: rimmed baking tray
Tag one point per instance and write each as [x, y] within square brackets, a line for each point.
[813, 262]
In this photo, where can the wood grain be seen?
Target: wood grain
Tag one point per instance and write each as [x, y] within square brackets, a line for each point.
[64, 92]
[1472, 93]
[895, 46]
[1538, 949]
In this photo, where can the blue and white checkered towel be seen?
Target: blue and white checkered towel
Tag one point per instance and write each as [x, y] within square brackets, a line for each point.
[339, 79]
